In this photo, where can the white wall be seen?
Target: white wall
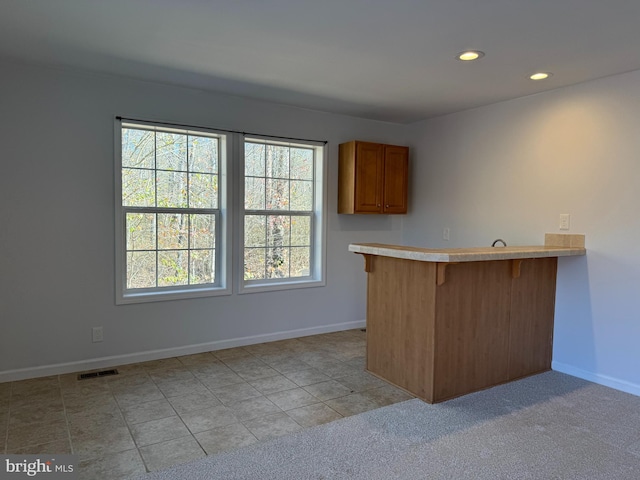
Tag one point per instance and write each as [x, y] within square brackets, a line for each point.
[508, 170]
[57, 221]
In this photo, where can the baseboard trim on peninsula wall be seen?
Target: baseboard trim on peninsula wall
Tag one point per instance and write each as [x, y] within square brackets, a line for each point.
[114, 361]
[605, 380]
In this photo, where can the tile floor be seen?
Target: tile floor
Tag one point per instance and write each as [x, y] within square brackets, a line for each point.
[159, 413]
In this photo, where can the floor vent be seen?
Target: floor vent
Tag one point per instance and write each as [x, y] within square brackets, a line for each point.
[103, 373]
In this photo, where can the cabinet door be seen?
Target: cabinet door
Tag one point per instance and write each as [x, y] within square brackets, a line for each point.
[472, 328]
[369, 177]
[533, 297]
[396, 165]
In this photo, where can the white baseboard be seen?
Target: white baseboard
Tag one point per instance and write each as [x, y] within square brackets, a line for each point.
[598, 378]
[107, 362]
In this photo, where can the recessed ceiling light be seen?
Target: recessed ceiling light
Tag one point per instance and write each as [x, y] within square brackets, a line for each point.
[540, 75]
[470, 55]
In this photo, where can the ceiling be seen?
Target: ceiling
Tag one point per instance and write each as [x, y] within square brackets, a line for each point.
[390, 60]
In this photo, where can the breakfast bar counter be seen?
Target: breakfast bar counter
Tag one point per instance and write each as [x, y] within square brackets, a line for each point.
[447, 322]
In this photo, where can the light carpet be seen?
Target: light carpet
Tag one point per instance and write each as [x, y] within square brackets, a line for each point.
[549, 426]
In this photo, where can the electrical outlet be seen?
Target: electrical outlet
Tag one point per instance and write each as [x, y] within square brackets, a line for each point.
[565, 220]
[97, 334]
[445, 234]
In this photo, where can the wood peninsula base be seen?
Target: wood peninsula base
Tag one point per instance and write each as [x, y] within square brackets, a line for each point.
[441, 329]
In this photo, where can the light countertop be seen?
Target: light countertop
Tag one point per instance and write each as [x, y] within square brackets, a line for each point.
[467, 254]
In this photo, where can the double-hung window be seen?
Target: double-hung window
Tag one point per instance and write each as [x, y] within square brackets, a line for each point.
[170, 220]
[283, 214]
[182, 232]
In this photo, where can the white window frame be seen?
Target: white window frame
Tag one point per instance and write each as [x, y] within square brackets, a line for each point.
[224, 240]
[317, 277]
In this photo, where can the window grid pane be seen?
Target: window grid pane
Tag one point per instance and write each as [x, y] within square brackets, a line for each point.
[138, 187]
[141, 269]
[170, 205]
[300, 262]
[277, 246]
[301, 164]
[180, 244]
[138, 148]
[279, 180]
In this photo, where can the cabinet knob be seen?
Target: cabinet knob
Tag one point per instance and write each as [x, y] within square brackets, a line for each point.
[386, 206]
[378, 204]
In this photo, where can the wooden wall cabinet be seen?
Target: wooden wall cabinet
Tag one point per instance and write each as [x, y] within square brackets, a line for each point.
[372, 178]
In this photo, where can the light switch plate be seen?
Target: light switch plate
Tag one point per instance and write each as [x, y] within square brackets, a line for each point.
[565, 220]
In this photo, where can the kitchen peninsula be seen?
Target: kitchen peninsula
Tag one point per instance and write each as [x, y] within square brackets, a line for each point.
[444, 323]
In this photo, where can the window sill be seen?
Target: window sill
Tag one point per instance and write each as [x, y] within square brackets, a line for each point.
[259, 287]
[147, 297]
